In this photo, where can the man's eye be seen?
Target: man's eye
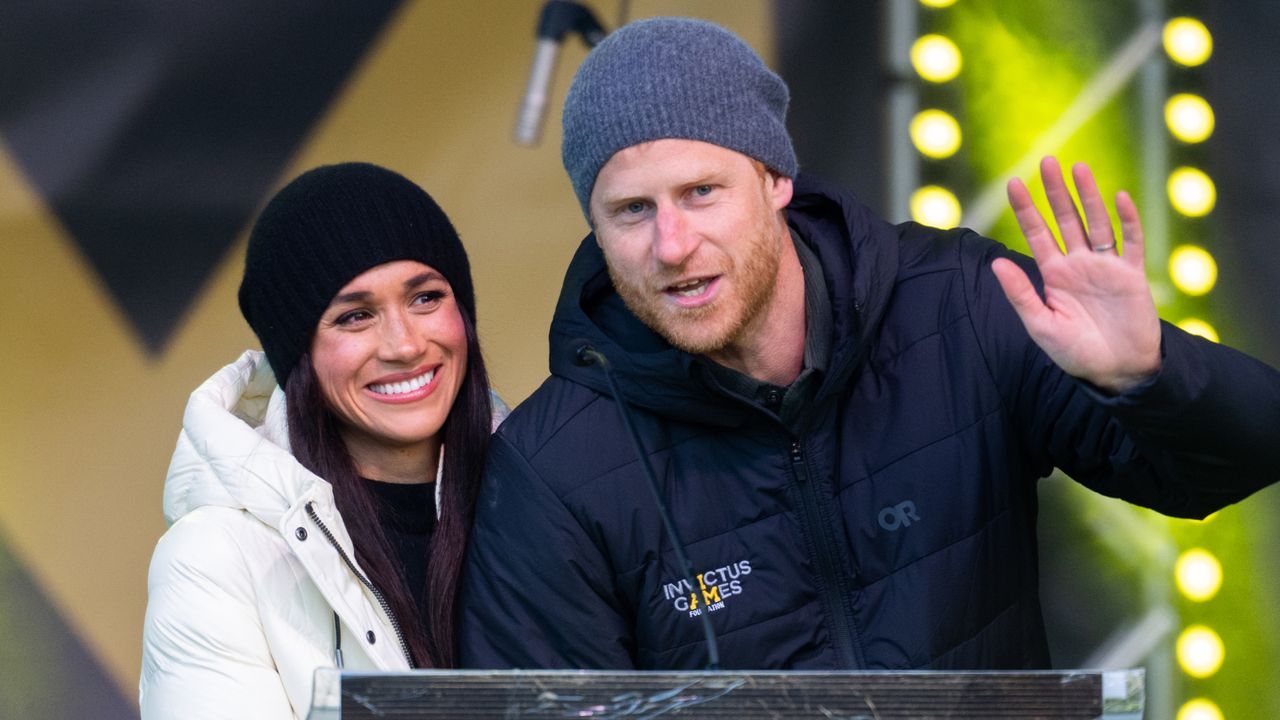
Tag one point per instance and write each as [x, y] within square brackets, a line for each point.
[702, 190]
[633, 208]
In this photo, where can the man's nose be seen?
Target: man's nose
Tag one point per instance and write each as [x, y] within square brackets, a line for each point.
[674, 240]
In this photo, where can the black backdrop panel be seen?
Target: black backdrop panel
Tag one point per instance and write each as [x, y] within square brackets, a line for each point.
[828, 51]
[153, 129]
[1243, 85]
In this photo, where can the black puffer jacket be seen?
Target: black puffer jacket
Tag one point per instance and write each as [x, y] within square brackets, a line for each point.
[894, 529]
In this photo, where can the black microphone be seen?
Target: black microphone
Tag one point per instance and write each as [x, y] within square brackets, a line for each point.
[559, 17]
[584, 354]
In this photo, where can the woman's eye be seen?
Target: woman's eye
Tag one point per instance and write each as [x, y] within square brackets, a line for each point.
[353, 317]
[428, 298]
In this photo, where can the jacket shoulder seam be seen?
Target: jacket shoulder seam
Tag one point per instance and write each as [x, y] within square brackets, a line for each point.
[505, 430]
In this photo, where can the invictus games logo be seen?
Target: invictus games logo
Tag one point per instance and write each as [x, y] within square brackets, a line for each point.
[714, 588]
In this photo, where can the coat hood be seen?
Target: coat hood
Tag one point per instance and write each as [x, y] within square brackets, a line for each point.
[233, 450]
[859, 256]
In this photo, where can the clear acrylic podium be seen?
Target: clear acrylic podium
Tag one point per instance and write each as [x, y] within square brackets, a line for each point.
[453, 694]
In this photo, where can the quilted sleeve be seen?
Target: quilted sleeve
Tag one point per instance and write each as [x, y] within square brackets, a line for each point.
[1200, 435]
[204, 654]
[531, 596]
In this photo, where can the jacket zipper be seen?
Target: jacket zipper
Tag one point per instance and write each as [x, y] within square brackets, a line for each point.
[829, 574]
[382, 601]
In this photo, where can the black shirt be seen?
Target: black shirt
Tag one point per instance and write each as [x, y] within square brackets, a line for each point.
[407, 514]
[787, 402]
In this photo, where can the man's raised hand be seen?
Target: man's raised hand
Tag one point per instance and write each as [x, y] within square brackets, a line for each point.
[1097, 321]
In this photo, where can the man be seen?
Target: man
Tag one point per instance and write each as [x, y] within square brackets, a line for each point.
[847, 419]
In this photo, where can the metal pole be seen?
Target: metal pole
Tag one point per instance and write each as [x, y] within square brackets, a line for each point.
[902, 166]
[1129, 61]
[1153, 89]
[1163, 686]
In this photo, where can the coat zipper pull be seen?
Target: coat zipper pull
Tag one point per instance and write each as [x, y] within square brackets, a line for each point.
[337, 642]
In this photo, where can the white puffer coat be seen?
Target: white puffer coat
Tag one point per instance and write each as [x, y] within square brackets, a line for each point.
[244, 585]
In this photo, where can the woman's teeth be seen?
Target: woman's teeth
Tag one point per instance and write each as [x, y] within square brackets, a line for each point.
[400, 388]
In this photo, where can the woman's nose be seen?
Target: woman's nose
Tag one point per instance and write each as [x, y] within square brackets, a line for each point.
[400, 339]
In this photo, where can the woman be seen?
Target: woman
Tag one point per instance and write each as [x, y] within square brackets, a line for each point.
[304, 526]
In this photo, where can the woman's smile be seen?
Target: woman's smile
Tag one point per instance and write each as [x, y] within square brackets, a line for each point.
[405, 387]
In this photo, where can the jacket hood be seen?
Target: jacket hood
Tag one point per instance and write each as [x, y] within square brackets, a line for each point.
[859, 256]
[233, 450]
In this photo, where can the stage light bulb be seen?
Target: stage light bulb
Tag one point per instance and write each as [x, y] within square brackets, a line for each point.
[1187, 41]
[1192, 269]
[1200, 651]
[935, 206]
[1196, 326]
[935, 58]
[1191, 192]
[1199, 574]
[1189, 117]
[937, 3]
[1200, 709]
[935, 133]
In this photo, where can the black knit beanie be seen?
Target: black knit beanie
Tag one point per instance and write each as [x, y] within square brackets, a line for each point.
[322, 230]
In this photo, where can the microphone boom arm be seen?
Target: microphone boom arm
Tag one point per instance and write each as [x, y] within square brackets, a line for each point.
[558, 18]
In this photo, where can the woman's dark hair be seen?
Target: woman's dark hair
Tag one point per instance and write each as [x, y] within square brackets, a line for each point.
[317, 444]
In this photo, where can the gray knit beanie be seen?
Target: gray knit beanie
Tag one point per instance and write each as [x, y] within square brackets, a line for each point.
[673, 78]
[323, 229]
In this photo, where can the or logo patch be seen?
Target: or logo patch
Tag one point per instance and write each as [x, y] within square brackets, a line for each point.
[714, 588]
[898, 516]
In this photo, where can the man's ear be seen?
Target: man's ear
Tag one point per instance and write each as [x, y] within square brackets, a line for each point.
[781, 190]
[591, 225]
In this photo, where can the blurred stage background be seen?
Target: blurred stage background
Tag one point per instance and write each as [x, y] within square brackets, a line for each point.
[137, 141]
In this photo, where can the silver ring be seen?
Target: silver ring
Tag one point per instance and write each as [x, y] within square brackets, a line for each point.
[1104, 248]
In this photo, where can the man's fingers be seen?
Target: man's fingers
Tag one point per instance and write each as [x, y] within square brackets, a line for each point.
[1101, 234]
[1039, 238]
[1021, 293]
[1070, 226]
[1131, 227]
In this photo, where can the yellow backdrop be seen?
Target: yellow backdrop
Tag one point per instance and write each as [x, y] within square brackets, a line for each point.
[88, 418]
